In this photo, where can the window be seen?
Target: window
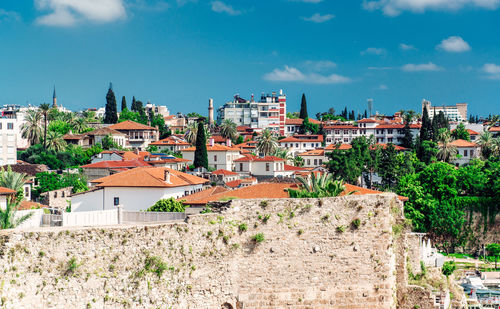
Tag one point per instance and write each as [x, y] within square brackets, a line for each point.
[315, 161]
[472, 153]
[320, 161]
[308, 161]
[337, 131]
[297, 145]
[215, 158]
[62, 194]
[346, 140]
[0, 126]
[186, 193]
[55, 194]
[267, 167]
[389, 131]
[116, 201]
[241, 167]
[10, 126]
[465, 153]
[389, 140]
[286, 145]
[346, 132]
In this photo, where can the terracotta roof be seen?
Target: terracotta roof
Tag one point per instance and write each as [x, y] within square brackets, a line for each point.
[218, 139]
[384, 146]
[364, 191]
[367, 120]
[299, 121]
[117, 164]
[303, 138]
[215, 147]
[166, 161]
[73, 136]
[260, 190]
[463, 143]
[258, 159]
[396, 126]
[338, 147]
[243, 128]
[104, 131]
[341, 127]
[290, 168]
[6, 191]
[149, 177]
[130, 125]
[202, 194]
[27, 205]
[224, 172]
[170, 141]
[234, 184]
[471, 132]
[494, 129]
[315, 152]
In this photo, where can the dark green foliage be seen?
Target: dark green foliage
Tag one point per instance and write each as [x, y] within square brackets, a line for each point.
[240, 140]
[60, 126]
[461, 133]
[494, 250]
[200, 154]
[407, 140]
[133, 107]
[242, 227]
[74, 156]
[124, 103]
[427, 151]
[52, 181]
[303, 108]
[194, 115]
[439, 122]
[350, 164]
[167, 205]
[426, 129]
[387, 166]
[110, 115]
[258, 238]
[155, 264]
[308, 127]
[448, 268]
[108, 143]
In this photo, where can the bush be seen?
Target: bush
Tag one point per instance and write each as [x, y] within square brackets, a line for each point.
[340, 229]
[356, 223]
[155, 265]
[448, 268]
[243, 227]
[258, 238]
[167, 205]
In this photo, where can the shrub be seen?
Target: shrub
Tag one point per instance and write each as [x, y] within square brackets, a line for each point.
[242, 227]
[258, 238]
[72, 266]
[340, 229]
[167, 205]
[300, 232]
[263, 204]
[448, 268]
[155, 265]
[356, 223]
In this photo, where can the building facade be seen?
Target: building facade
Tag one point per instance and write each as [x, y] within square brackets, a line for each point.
[9, 131]
[267, 113]
[457, 112]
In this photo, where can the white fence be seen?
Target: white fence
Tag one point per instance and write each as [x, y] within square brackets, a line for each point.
[34, 221]
[90, 218]
[143, 216]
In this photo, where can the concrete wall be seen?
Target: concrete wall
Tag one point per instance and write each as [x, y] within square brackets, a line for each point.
[312, 257]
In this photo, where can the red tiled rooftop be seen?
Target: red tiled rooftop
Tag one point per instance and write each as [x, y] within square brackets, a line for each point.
[303, 138]
[224, 172]
[463, 143]
[116, 164]
[471, 132]
[384, 146]
[299, 121]
[130, 125]
[314, 152]
[215, 147]
[169, 141]
[258, 159]
[6, 191]
[338, 147]
[202, 194]
[367, 120]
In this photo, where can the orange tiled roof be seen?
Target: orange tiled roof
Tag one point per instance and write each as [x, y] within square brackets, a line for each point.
[130, 125]
[303, 138]
[363, 191]
[104, 131]
[341, 127]
[27, 205]
[293, 168]
[149, 177]
[463, 143]
[234, 184]
[6, 191]
[299, 121]
[215, 147]
[494, 129]
[224, 172]
[202, 194]
[250, 158]
[471, 132]
[117, 164]
[384, 146]
[338, 147]
[367, 120]
[169, 141]
[315, 152]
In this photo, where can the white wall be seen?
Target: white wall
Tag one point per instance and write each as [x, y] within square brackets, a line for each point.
[91, 218]
[33, 222]
[309, 160]
[87, 201]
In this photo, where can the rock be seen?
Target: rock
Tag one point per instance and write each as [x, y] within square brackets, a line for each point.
[316, 249]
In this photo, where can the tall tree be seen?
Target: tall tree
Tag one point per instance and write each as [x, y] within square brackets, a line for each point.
[133, 107]
[303, 107]
[407, 140]
[228, 130]
[426, 129]
[200, 154]
[447, 152]
[110, 115]
[461, 133]
[387, 167]
[30, 129]
[124, 103]
[44, 109]
[267, 142]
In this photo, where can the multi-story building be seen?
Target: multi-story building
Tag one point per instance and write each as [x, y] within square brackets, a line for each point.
[138, 136]
[456, 112]
[301, 143]
[219, 156]
[8, 146]
[157, 109]
[267, 113]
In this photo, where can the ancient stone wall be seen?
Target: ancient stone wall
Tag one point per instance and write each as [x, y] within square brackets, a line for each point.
[330, 253]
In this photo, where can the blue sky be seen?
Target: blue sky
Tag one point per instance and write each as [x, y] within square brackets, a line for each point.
[180, 53]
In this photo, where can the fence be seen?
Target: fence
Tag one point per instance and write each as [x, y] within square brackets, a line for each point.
[34, 221]
[142, 216]
[90, 218]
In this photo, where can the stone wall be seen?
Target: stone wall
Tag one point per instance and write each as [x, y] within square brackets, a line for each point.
[331, 253]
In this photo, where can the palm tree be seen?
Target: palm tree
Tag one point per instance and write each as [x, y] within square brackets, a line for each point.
[486, 141]
[191, 132]
[12, 180]
[44, 109]
[79, 124]
[322, 186]
[298, 161]
[55, 141]
[30, 129]
[283, 153]
[447, 152]
[267, 142]
[8, 218]
[228, 129]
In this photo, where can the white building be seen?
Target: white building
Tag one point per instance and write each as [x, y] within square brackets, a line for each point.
[8, 146]
[138, 135]
[301, 143]
[457, 112]
[219, 156]
[137, 189]
[268, 113]
[466, 151]
[314, 158]
[268, 166]
[4, 194]
[157, 109]
[292, 126]
[171, 143]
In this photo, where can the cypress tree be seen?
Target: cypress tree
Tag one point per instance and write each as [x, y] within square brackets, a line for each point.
[124, 104]
[426, 129]
[303, 108]
[110, 115]
[407, 140]
[133, 107]
[200, 154]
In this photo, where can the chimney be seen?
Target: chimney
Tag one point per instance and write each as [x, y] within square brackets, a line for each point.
[167, 176]
[212, 142]
[228, 142]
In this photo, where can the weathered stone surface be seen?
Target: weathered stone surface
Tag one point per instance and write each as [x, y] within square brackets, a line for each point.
[312, 257]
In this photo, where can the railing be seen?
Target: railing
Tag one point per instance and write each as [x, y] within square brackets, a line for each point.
[143, 216]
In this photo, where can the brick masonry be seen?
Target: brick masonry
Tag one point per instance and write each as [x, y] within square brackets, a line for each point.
[313, 256]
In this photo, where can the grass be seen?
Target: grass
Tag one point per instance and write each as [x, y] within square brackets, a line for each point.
[258, 238]
[340, 229]
[356, 223]
[154, 264]
[242, 227]
[72, 266]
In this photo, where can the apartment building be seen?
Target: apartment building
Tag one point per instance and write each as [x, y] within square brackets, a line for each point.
[8, 146]
[138, 136]
[301, 143]
[457, 112]
[267, 113]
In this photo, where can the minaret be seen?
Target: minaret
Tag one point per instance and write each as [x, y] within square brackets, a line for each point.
[54, 99]
[211, 112]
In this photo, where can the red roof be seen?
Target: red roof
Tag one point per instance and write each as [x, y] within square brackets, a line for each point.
[341, 127]
[218, 139]
[338, 147]
[234, 183]
[130, 125]
[471, 132]
[202, 194]
[494, 129]
[6, 191]
[117, 164]
[384, 146]
[363, 191]
[251, 158]
[224, 172]
[367, 120]
[290, 168]
[463, 143]
[303, 138]
[315, 152]
[170, 141]
[299, 121]
[215, 147]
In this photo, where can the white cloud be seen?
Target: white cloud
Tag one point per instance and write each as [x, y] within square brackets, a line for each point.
[71, 12]
[8, 16]
[454, 44]
[492, 70]
[319, 65]
[380, 68]
[184, 2]
[430, 67]
[396, 7]
[291, 74]
[404, 46]
[382, 87]
[373, 51]
[318, 18]
[221, 7]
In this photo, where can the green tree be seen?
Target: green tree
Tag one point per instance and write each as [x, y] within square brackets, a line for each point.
[317, 187]
[228, 129]
[44, 110]
[14, 181]
[407, 140]
[30, 129]
[448, 268]
[191, 133]
[486, 141]
[110, 115]
[308, 127]
[298, 161]
[426, 128]
[303, 107]
[167, 205]
[240, 140]
[124, 103]
[267, 142]
[494, 250]
[461, 133]
[8, 216]
[59, 126]
[133, 107]
[439, 122]
[200, 154]
[387, 167]
[194, 115]
[290, 115]
[55, 141]
[447, 152]
[427, 151]
[108, 143]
